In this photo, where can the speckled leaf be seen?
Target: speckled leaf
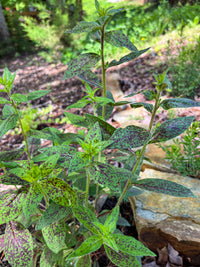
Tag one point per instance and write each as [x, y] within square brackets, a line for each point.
[179, 103]
[94, 134]
[128, 57]
[2, 242]
[149, 94]
[87, 218]
[129, 137]
[8, 124]
[111, 221]
[109, 108]
[80, 64]
[32, 200]
[84, 26]
[79, 104]
[171, 128]
[147, 106]
[10, 155]
[130, 245]
[54, 235]
[48, 166]
[18, 245]
[76, 119]
[10, 206]
[11, 179]
[77, 162]
[37, 94]
[118, 39]
[47, 258]
[8, 111]
[114, 11]
[53, 214]
[59, 191]
[164, 187]
[90, 245]
[4, 101]
[19, 98]
[121, 259]
[108, 175]
[83, 261]
[107, 129]
[90, 77]
[33, 145]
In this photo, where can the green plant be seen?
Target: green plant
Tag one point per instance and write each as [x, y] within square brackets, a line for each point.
[50, 215]
[184, 153]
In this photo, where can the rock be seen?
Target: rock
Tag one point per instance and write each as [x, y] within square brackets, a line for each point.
[174, 257]
[162, 219]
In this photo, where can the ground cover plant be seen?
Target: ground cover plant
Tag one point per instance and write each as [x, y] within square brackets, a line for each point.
[49, 217]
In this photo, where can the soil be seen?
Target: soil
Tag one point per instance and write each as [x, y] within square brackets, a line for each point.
[33, 73]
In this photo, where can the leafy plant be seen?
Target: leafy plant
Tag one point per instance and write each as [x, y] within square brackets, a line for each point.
[184, 153]
[50, 215]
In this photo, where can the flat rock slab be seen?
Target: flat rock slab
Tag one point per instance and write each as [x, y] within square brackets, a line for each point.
[162, 219]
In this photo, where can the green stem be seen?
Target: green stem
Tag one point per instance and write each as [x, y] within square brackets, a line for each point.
[87, 187]
[103, 70]
[128, 183]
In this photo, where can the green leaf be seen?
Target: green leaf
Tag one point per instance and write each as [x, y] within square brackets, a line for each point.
[87, 218]
[32, 200]
[77, 162]
[4, 101]
[165, 187]
[171, 128]
[79, 104]
[90, 77]
[33, 145]
[2, 242]
[179, 103]
[19, 98]
[37, 94]
[147, 106]
[109, 108]
[129, 137]
[84, 26]
[90, 245]
[8, 124]
[53, 214]
[59, 191]
[8, 111]
[10, 155]
[130, 245]
[121, 259]
[47, 258]
[118, 39]
[83, 261]
[94, 134]
[108, 175]
[18, 245]
[127, 58]
[10, 206]
[80, 64]
[76, 119]
[11, 179]
[97, 5]
[49, 165]
[114, 11]
[111, 221]
[54, 236]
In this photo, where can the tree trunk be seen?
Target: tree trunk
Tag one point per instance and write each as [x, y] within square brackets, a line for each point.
[4, 34]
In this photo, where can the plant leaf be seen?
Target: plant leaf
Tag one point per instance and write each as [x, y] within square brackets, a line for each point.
[49, 165]
[54, 235]
[171, 128]
[165, 187]
[8, 111]
[53, 214]
[10, 155]
[79, 104]
[128, 57]
[109, 108]
[2, 242]
[37, 94]
[114, 11]
[77, 162]
[147, 106]
[118, 39]
[19, 98]
[12, 179]
[18, 245]
[179, 103]
[111, 221]
[4, 101]
[47, 258]
[76, 119]
[80, 64]
[84, 26]
[129, 137]
[33, 145]
[83, 261]
[90, 245]
[94, 134]
[90, 77]
[8, 124]
[121, 259]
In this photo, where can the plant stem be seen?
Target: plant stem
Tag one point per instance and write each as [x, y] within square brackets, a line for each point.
[87, 187]
[103, 69]
[128, 183]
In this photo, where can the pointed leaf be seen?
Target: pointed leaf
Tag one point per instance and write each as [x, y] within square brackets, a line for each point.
[2, 242]
[84, 26]
[114, 11]
[118, 39]
[90, 245]
[127, 58]
[90, 77]
[59, 191]
[18, 245]
[94, 134]
[111, 221]
[79, 104]
[83, 261]
[179, 103]
[54, 236]
[171, 128]
[4, 101]
[33, 145]
[129, 137]
[108, 175]
[19, 98]
[97, 5]
[12, 179]
[109, 108]
[8, 124]
[37, 94]
[76, 119]
[80, 64]
[10, 155]
[121, 259]
[77, 162]
[48, 166]
[53, 214]
[147, 106]
[47, 258]
[165, 187]
[8, 111]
